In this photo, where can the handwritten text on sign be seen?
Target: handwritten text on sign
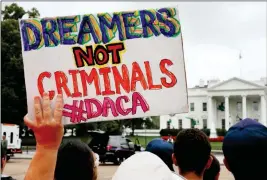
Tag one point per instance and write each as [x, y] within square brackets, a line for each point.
[108, 66]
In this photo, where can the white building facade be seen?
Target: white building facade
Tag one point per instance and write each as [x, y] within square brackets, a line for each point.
[222, 104]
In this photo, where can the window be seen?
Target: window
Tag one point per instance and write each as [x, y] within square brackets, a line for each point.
[255, 106]
[11, 138]
[204, 106]
[239, 107]
[192, 107]
[180, 124]
[205, 124]
[223, 123]
[4, 134]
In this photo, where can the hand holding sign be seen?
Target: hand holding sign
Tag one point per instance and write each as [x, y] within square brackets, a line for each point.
[48, 129]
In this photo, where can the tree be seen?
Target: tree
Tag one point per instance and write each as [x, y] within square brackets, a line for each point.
[13, 93]
[33, 13]
[13, 11]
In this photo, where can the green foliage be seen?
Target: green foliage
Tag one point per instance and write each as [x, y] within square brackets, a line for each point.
[206, 131]
[221, 107]
[13, 11]
[13, 93]
[221, 132]
[167, 132]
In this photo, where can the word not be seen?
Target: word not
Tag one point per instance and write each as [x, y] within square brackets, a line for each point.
[92, 56]
[86, 107]
[122, 79]
[51, 32]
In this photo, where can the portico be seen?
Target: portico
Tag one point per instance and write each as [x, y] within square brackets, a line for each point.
[236, 100]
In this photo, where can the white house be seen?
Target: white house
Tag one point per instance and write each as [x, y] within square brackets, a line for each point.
[239, 99]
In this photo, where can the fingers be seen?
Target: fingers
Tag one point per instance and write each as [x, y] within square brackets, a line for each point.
[46, 107]
[58, 108]
[29, 122]
[38, 109]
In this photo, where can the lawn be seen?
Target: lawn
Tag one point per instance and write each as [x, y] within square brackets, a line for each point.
[144, 141]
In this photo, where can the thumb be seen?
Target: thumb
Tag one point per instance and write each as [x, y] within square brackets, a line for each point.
[29, 122]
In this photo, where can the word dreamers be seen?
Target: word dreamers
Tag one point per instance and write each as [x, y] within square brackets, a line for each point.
[92, 108]
[70, 30]
[115, 80]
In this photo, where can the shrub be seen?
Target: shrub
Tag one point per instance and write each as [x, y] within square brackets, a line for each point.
[206, 131]
[221, 132]
[167, 132]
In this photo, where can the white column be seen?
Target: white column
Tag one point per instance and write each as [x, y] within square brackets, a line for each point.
[263, 110]
[244, 106]
[226, 99]
[211, 124]
[215, 113]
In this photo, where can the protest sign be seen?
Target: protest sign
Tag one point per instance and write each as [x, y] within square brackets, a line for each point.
[108, 66]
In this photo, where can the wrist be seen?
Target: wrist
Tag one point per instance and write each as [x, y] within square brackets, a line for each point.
[46, 148]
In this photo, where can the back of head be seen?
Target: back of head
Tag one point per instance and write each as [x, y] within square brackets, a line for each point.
[2, 156]
[75, 161]
[162, 149]
[144, 165]
[192, 151]
[245, 150]
[213, 172]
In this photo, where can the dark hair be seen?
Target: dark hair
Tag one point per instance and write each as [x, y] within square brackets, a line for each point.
[213, 171]
[2, 156]
[192, 151]
[75, 161]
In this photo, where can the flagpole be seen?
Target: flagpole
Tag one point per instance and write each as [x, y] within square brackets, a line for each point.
[240, 65]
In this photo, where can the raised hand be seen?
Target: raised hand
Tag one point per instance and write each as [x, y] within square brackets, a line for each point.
[47, 125]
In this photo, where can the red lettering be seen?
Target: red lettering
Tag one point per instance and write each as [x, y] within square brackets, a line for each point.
[105, 56]
[90, 109]
[41, 86]
[120, 81]
[151, 86]
[137, 75]
[109, 104]
[120, 107]
[80, 56]
[76, 92]
[92, 77]
[61, 83]
[105, 72]
[163, 69]
[115, 52]
[139, 100]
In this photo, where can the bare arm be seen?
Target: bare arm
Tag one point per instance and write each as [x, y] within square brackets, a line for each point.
[48, 132]
[42, 166]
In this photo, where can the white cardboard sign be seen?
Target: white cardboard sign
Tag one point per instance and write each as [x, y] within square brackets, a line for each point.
[108, 66]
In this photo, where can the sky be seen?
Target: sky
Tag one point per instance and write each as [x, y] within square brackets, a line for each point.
[214, 34]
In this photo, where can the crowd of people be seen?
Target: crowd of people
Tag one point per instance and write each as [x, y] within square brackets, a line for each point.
[244, 149]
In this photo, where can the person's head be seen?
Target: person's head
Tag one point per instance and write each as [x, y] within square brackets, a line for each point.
[245, 150]
[4, 137]
[213, 172]
[192, 152]
[75, 161]
[144, 165]
[162, 149]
